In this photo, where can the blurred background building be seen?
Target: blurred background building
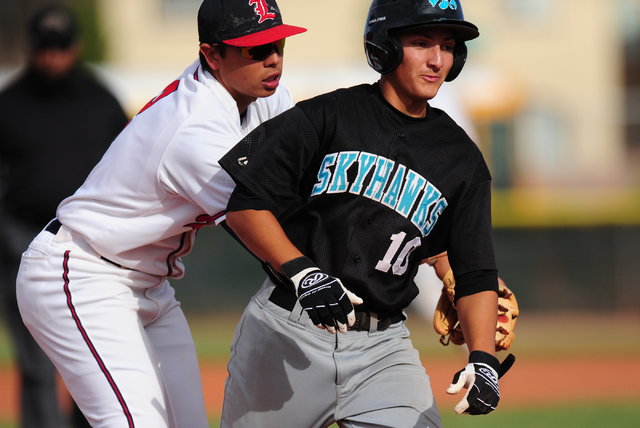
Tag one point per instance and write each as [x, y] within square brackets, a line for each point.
[551, 88]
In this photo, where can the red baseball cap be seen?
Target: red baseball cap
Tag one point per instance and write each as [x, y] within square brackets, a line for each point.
[242, 22]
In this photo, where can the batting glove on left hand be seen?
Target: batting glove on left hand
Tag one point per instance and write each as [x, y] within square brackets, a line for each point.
[480, 378]
[324, 297]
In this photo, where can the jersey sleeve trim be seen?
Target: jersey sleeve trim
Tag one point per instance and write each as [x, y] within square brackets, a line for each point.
[244, 199]
[476, 282]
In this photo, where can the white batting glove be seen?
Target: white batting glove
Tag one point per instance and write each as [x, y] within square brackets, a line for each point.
[326, 300]
[480, 379]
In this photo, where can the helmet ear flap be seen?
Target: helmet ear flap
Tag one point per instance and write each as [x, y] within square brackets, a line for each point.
[383, 55]
[459, 59]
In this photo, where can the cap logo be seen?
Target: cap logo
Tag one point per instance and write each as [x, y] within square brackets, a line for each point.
[55, 22]
[444, 4]
[262, 10]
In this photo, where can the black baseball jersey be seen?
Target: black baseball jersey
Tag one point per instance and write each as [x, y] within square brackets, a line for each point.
[367, 192]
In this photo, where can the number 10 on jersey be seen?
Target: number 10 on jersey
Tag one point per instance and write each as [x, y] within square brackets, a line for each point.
[399, 267]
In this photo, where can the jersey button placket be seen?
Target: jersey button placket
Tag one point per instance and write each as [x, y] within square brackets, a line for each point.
[396, 156]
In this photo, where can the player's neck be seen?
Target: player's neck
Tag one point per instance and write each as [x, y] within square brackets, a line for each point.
[411, 106]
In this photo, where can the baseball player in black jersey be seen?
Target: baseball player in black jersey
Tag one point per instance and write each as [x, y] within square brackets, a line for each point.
[343, 197]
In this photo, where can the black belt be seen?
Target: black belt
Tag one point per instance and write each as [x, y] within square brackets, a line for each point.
[54, 227]
[287, 300]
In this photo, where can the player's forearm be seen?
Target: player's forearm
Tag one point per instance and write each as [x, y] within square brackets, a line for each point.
[261, 232]
[478, 317]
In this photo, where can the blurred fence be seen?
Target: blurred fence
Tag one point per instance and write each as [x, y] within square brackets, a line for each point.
[579, 268]
[550, 269]
[576, 268]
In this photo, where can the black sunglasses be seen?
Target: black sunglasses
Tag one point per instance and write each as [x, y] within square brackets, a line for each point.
[262, 52]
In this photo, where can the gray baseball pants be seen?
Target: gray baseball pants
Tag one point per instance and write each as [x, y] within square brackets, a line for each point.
[286, 372]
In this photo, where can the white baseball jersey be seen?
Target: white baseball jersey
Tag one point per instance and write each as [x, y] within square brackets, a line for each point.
[160, 181]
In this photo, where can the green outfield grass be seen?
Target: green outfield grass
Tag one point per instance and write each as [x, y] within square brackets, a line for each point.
[604, 416]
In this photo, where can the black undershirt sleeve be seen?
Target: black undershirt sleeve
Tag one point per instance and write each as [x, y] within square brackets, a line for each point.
[475, 282]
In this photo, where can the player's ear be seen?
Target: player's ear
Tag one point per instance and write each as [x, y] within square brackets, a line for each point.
[211, 54]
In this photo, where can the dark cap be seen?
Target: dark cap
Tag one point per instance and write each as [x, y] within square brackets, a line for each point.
[52, 27]
[242, 22]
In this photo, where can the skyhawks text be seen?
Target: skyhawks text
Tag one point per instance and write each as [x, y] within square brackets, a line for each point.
[399, 191]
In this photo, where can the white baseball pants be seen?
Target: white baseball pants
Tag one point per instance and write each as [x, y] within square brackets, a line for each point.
[118, 337]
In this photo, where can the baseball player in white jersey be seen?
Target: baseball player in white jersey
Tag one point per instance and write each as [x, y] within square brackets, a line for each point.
[92, 286]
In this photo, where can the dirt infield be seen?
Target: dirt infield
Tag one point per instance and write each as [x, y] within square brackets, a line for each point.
[531, 382]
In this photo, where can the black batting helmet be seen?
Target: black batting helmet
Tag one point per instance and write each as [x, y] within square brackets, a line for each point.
[384, 51]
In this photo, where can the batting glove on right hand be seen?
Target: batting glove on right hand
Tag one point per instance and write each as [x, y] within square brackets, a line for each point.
[480, 378]
[324, 297]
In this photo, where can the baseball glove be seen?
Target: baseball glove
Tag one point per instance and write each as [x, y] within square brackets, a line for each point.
[445, 320]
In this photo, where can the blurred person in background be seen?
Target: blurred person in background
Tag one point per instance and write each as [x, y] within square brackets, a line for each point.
[56, 122]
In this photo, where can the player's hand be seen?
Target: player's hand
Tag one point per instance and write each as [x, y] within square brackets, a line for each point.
[480, 378]
[325, 299]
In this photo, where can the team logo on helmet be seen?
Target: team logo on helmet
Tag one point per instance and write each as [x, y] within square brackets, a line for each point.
[262, 10]
[444, 4]
[378, 19]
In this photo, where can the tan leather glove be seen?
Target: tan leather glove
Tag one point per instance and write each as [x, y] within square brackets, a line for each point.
[445, 319]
